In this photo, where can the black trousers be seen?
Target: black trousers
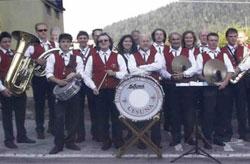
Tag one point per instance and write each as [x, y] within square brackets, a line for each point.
[106, 111]
[67, 110]
[223, 114]
[209, 110]
[12, 105]
[43, 89]
[239, 97]
[248, 97]
[182, 111]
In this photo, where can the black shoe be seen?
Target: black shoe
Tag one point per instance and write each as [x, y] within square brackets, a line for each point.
[245, 138]
[80, 139]
[174, 143]
[191, 142]
[106, 144]
[55, 150]
[141, 145]
[219, 142]
[26, 140]
[10, 144]
[208, 146]
[118, 144]
[73, 147]
[40, 135]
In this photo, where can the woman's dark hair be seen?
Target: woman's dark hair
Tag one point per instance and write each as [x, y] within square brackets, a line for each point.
[5, 34]
[159, 29]
[184, 35]
[120, 47]
[110, 41]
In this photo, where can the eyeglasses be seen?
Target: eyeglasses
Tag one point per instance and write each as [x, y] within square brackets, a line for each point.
[42, 30]
[103, 41]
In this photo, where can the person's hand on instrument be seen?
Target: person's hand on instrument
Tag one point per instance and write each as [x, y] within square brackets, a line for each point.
[62, 83]
[110, 73]
[177, 76]
[6, 92]
[41, 61]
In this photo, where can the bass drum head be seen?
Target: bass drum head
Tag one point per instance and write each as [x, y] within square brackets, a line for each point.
[139, 98]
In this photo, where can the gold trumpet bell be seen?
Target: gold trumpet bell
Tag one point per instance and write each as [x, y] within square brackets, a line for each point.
[21, 69]
[214, 71]
[180, 64]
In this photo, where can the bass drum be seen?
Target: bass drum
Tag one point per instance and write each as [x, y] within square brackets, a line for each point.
[139, 98]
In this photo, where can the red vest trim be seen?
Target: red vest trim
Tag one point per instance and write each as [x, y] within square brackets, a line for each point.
[60, 70]
[140, 61]
[196, 52]
[38, 49]
[99, 70]
[169, 58]
[79, 53]
[4, 64]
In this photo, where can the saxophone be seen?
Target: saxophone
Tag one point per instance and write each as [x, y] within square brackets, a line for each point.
[21, 69]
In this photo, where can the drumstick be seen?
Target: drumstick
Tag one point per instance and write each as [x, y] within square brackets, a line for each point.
[102, 81]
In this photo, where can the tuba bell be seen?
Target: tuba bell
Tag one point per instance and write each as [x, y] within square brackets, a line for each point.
[21, 69]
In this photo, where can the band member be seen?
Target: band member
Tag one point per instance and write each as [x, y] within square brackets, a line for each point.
[42, 89]
[180, 99]
[159, 37]
[148, 60]
[189, 41]
[236, 53]
[95, 33]
[54, 34]
[136, 36]
[10, 102]
[84, 52]
[101, 63]
[216, 100]
[126, 48]
[60, 69]
[242, 40]
[203, 41]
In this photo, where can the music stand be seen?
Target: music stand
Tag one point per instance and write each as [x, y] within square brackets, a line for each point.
[139, 134]
[197, 131]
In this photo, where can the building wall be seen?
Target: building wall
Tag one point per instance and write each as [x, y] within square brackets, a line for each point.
[24, 14]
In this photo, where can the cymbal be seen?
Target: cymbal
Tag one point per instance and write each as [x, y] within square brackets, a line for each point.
[214, 71]
[180, 64]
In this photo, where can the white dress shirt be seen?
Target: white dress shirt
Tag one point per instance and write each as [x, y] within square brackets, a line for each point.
[187, 73]
[89, 68]
[213, 55]
[159, 47]
[30, 50]
[51, 62]
[157, 65]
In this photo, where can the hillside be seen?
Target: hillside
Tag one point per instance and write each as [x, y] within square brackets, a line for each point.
[183, 15]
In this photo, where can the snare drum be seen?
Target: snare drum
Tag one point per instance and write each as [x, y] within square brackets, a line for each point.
[139, 98]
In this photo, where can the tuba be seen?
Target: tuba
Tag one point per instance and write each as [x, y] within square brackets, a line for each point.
[236, 78]
[21, 69]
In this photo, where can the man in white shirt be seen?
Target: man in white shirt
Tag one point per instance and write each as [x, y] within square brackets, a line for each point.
[42, 89]
[11, 103]
[180, 99]
[149, 62]
[159, 37]
[236, 53]
[216, 100]
[61, 67]
[105, 69]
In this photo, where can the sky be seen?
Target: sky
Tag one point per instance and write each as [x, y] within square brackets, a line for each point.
[89, 14]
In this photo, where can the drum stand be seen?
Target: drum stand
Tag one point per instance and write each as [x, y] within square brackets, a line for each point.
[139, 134]
[197, 150]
